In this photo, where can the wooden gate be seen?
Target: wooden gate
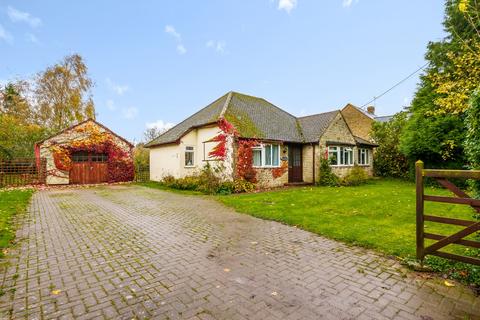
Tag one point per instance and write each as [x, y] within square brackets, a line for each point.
[89, 168]
[442, 177]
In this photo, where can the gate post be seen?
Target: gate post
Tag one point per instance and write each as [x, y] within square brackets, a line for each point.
[420, 209]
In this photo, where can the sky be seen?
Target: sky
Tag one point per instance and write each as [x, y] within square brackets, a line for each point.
[154, 63]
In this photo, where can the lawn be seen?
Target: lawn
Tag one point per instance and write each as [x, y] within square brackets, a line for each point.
[379, 215]
[12, 202]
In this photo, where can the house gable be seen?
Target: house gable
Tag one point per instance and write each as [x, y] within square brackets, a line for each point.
[359, 122]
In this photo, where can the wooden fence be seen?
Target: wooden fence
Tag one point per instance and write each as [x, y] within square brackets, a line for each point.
[462, 198]
[142, 175]
[22, 171]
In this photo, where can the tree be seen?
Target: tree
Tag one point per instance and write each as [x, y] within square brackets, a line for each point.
[435, 130]
[388, 160]
[63, 94]
[152, 133]
[472, 139]
[14, 102]
[17, 138]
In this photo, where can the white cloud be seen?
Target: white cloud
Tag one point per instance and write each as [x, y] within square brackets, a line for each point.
[181, 49]
[169, 29]
[218, 46]
[118, 89]
[160, 125]
[287, 5]
[20, 16]
[110, 105]
[32, 38]
[5, 35]
[348, 3]
[130, 112]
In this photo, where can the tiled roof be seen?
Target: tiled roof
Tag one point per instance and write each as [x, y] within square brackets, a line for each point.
[253, 118]
[383, 118]
[209, 114]
[315, 125]
[361, 141]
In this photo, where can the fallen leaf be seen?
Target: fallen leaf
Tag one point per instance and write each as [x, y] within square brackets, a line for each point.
[254, 242]
[449, 284]
[274, 293]
[57, 291]
[226, 270]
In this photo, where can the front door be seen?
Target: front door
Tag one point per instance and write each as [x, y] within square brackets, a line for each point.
[89, 168]
[295, 163]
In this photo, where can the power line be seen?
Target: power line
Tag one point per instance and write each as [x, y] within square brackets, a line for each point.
[396, 85]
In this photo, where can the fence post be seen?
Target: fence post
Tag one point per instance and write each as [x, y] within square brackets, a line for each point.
[420, 209]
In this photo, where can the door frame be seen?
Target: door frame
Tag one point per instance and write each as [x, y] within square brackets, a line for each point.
[291, 177]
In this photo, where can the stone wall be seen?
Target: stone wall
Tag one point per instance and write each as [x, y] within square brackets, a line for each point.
[360, 124]
[265, 177]
[338, 131]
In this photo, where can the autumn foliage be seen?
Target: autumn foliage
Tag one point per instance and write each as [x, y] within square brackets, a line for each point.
[120, 163]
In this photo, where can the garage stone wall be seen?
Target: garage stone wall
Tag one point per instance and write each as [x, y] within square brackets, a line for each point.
[69, 136]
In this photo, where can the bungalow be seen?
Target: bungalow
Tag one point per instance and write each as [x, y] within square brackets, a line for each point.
[248, 137]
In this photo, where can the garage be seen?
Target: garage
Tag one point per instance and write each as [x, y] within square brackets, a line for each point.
[87, 153]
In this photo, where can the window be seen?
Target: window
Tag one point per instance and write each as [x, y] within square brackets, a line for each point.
[80, 156]
[340, 156]
[363, 156]
[257, 157]
[189, 157]
[266, 156]
[99, 157]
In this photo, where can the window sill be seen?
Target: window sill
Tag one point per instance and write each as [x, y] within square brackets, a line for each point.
[189, 166]
[254, 167]
[341, 165]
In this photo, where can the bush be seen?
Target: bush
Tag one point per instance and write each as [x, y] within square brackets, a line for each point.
[472, 139]
[208, 182]
[388, 160]
[242, 185]
[327, 177]
[355, 177]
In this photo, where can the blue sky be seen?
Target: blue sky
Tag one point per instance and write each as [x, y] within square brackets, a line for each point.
[160, 61]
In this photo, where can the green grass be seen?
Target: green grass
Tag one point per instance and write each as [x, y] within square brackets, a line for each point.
[378, 215]
[160, 186]
[12, 202]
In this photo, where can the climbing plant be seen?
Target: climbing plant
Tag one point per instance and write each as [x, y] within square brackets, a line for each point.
[91, 139]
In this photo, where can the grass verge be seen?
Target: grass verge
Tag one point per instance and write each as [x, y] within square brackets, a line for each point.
[12, 202]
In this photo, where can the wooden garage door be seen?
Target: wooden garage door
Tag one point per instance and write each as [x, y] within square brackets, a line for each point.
[89, 168]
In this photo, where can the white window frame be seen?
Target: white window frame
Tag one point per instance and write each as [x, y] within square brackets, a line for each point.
[340, 152]
[192, 151]
[264, 155]
[365, 152]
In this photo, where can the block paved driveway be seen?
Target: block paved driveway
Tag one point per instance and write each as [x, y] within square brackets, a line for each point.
[124, 252]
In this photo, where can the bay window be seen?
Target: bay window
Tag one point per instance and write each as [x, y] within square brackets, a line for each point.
[340, 156]
[266, 156]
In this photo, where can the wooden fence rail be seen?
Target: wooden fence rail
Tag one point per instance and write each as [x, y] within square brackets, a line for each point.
[462, 198]
[22, 171]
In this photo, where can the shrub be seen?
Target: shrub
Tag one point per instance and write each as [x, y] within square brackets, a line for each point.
[242, 185]
[356, 176]
[327, 177]
[472, 139]
[388, 160]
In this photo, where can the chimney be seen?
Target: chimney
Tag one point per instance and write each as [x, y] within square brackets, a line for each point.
[371, 110]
